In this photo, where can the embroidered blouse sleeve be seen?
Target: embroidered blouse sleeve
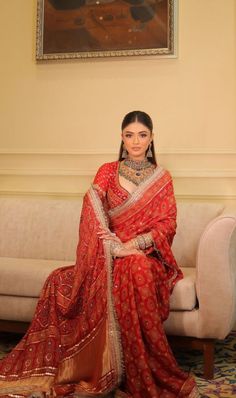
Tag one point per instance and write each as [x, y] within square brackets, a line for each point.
[101, 184]
[101, 180]
[164, 227]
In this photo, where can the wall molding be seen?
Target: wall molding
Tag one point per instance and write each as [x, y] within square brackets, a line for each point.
[177, 173]
[111, 152]
[29, 193]
[181, 164]
[197, 175]
[59, 194]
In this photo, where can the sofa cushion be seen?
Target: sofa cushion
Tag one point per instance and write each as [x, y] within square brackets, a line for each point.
[184, 293]
[14, 308]
[25, 277]
[192, 219]
[39, 228]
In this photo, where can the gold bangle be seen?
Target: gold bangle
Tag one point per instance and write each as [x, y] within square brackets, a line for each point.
[115, 248]
[148, 239]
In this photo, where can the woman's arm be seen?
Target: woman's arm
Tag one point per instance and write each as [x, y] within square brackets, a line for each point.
[140, 242]
[101, 184]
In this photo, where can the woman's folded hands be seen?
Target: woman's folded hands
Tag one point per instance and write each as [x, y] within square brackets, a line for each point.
[118, 248]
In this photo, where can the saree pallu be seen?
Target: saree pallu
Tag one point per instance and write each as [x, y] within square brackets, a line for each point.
[98, 324]
[72, 347]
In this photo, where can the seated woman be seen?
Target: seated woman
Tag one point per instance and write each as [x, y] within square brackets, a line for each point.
[98, 326]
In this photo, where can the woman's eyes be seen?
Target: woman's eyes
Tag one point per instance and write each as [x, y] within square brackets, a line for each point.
[143, 135]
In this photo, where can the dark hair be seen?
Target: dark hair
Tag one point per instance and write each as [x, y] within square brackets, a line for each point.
[141, 117]
[137, 116]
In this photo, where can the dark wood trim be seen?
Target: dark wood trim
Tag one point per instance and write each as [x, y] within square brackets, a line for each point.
[13, 326]
[205, 345]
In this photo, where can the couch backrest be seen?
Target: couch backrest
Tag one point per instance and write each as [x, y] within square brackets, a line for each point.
[39, 228]
[48, 228]
[192, 219]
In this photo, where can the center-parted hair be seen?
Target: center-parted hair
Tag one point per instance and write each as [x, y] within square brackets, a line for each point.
[137, 116]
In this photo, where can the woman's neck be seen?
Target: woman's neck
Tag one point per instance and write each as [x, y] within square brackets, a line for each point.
[138, 159]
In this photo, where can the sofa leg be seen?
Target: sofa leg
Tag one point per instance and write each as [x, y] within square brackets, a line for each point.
[208, 353]
[205, 345]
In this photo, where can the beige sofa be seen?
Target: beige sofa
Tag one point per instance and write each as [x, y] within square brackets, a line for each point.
[39, 235]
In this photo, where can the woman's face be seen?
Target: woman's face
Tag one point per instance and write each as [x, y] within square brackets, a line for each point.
[136, 137]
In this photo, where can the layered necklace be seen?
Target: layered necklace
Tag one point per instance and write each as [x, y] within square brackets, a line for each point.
[136, 171]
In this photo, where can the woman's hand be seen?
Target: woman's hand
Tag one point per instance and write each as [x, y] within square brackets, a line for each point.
[105, 233]
[122, 249]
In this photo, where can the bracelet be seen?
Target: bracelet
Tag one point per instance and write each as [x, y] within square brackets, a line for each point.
[142, 242]
[136, 244]
[115, 248]
[148, 239]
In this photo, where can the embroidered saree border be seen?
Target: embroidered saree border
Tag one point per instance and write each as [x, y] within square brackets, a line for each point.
[34, 383]
[114, 331]
[185, 390]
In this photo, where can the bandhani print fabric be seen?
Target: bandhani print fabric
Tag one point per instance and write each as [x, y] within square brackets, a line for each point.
[98, 326]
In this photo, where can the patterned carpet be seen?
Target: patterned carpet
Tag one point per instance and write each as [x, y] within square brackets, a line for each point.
[224, 383]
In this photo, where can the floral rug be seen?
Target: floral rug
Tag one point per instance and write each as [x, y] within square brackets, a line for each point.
[223, 385]
[224, 382]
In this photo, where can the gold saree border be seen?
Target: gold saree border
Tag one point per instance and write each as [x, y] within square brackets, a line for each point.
[185, 388]
[114, 329]
[34, 383]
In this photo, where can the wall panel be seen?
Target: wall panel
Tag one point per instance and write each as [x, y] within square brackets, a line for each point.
[63, 174]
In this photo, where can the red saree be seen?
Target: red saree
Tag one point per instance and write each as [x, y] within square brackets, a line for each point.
[98, 324]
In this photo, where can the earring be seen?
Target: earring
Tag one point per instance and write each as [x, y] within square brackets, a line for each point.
[149, 152]
[124, 153]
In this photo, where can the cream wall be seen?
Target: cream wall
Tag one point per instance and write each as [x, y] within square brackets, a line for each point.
[60, 120]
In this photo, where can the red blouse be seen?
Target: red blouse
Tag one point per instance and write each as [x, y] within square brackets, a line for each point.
[107, 178]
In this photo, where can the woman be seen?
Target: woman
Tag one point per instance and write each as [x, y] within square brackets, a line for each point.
[97, 329]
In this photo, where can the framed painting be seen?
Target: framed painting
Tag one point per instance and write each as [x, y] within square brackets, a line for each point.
[105, 28]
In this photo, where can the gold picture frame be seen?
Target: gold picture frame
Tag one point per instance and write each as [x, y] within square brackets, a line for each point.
[68, 29]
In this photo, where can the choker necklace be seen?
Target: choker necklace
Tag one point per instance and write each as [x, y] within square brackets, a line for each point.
[136, 171]
[137, 165]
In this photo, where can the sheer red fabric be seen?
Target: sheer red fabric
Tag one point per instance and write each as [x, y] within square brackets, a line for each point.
[73, 344]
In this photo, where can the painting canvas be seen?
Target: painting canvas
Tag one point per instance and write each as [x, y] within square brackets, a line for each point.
[99, 28]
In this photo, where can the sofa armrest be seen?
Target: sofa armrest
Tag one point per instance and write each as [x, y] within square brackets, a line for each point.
[216, 278]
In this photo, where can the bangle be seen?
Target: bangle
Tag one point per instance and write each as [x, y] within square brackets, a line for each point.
[142, 242]
[115, 248]
[136, 244]
[148, 239]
